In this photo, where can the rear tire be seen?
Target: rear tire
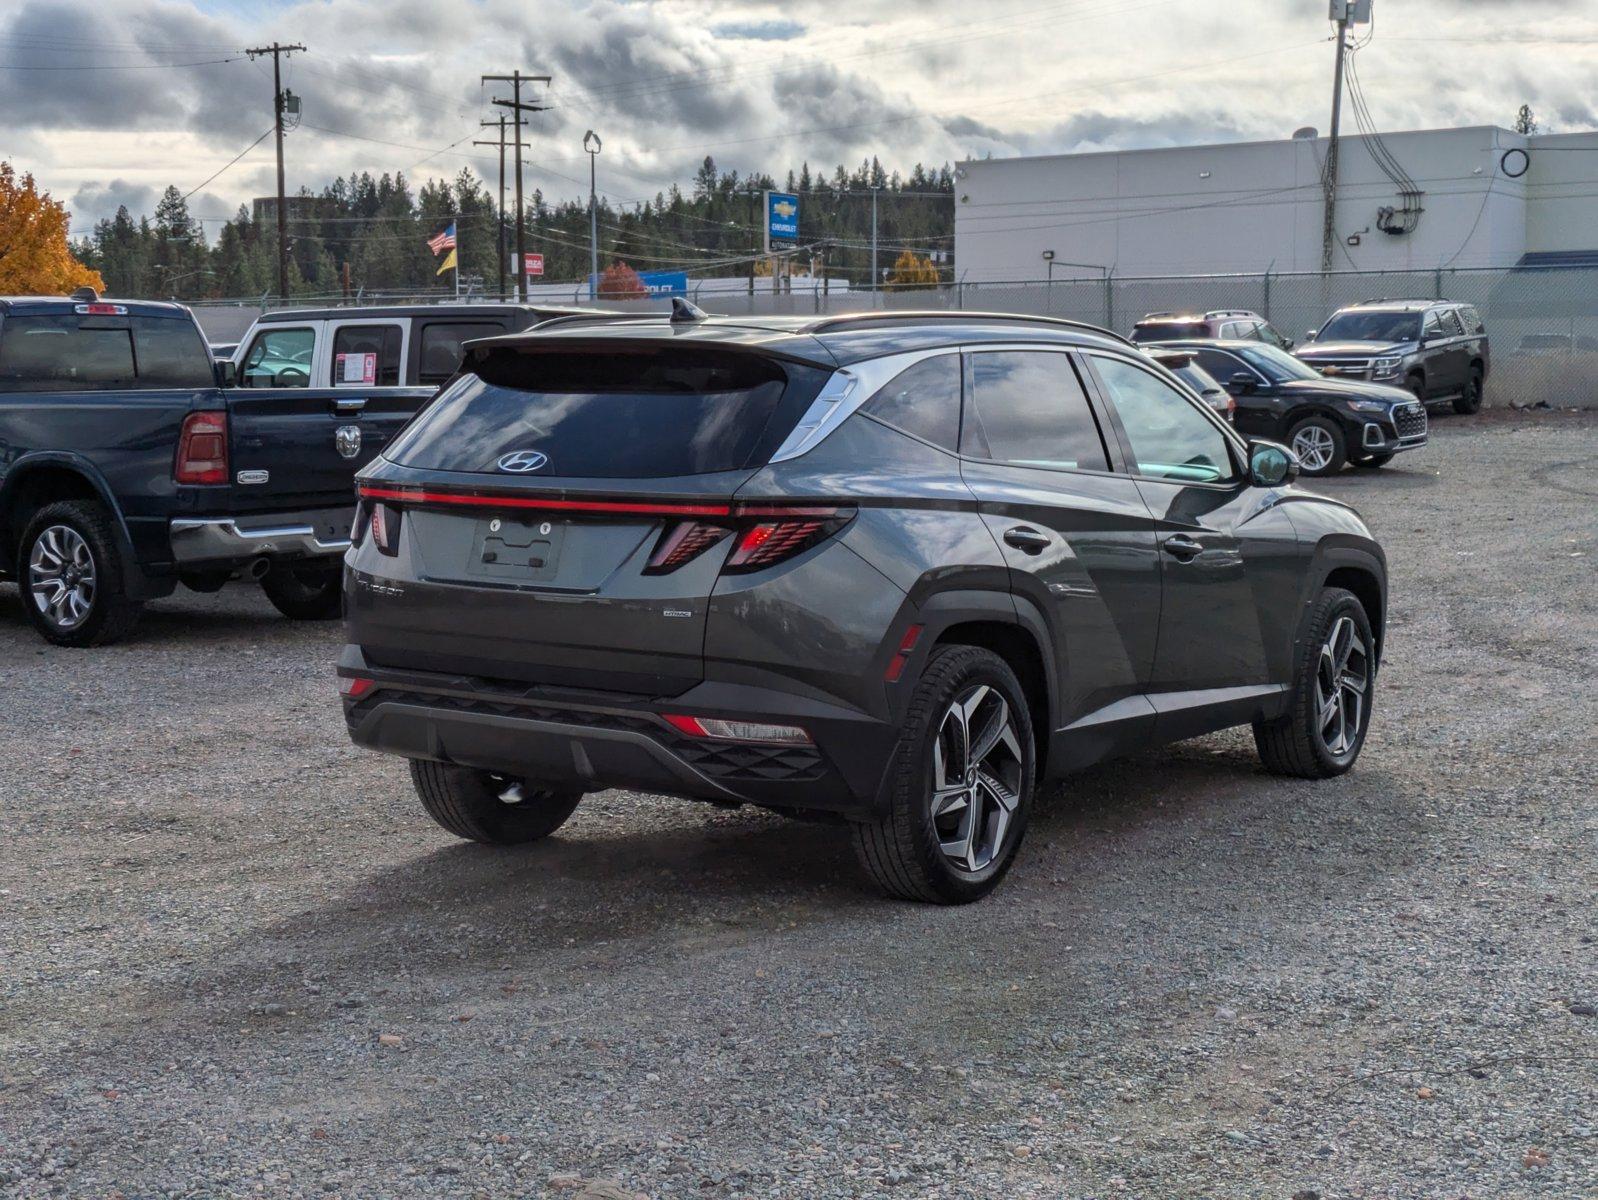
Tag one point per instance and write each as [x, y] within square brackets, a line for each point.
[70, 572]
[305, 593]
[952, 821]
[1320, 446]
[1469, 401]
[481, 806]
[1324, 728]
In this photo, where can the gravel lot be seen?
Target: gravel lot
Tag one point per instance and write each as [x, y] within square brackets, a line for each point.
[236, 959]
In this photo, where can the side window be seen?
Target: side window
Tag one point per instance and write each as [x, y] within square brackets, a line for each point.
[1472, 320]
[1431, 327]
[922, 400]
[1170, 438]
[278, 358]
[1228, 330]
[65, 352]
[1028, 408]
[1220, 364]
[1451, 325]
[441, 347]
[170, 354]
[366, 356]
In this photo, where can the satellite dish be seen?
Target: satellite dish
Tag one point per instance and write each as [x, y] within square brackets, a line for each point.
[1307, 134]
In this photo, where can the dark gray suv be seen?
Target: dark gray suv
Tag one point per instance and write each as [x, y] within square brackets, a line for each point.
[892, 569]
[1434, 349]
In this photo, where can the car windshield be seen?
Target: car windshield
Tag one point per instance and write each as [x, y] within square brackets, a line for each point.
[1197, 378]
[1168, 331]
[1365, 325]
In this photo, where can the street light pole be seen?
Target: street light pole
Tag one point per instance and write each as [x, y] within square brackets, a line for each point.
[592, 144]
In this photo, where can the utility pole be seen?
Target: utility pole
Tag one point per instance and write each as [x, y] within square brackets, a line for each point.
[500, 123]
[592, 144]
[874, 191]
[277, 50]
[516, 79]
[1329, 224]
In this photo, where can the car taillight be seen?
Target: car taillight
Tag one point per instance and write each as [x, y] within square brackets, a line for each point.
[385, 527]
[682, 543]
[353, 687]
[721, 730]
[202, 449]
[779, 533]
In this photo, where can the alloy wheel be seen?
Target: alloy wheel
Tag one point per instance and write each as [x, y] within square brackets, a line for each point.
[1342, 683]
[977, 769]
[1314, 447]
[61, 576]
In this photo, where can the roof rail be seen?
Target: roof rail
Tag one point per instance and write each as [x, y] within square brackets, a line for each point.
[932, 316]
[1402, 300]
[1231, 312]
[598, 317]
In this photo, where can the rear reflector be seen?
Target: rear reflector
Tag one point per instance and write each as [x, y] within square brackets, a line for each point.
[737, 731]
[907, 644]
[202, 449]
[353, 687]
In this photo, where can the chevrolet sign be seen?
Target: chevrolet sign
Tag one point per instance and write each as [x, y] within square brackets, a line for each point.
[782, 217]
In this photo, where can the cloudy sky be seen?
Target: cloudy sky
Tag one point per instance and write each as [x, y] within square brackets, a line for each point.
[108, 101]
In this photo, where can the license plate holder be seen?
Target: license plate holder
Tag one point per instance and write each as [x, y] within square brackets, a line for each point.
[516, 549]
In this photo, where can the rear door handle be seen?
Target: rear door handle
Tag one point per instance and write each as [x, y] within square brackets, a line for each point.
[1024, 537]
[1182, 547]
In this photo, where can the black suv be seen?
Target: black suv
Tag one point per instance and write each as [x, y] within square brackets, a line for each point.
[1434, 349]
[1237, 323]
[893, 568]
[1326, 422]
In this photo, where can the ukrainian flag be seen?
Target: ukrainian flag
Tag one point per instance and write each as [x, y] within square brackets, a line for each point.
[450, 263]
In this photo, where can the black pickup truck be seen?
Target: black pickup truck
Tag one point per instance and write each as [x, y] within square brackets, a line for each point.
[127, 467]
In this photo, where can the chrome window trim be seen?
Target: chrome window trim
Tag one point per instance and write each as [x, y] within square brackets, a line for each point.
[845, 391]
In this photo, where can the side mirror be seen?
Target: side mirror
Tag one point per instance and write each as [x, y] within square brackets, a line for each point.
[1309, 335]
[1271, 464]
[227, 375]
[1242, 384]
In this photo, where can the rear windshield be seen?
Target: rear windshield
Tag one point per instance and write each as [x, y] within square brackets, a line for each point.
[610, 415]
[1169, 331]
[70, 352]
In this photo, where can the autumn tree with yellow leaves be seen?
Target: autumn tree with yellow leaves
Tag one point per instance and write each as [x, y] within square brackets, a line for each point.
[911, 270]
[34, 257]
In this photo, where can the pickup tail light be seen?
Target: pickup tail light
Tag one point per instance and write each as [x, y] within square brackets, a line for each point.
[202, 449]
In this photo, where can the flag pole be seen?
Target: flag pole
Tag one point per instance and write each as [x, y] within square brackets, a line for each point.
[455, 222]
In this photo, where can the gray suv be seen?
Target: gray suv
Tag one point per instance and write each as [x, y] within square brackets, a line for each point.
[889, 569]
[1434, 349]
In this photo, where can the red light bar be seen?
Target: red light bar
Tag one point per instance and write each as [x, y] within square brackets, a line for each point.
[101, 310]
[406, 495]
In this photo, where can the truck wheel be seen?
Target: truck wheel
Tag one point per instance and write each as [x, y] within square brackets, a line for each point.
[481, 806]
[71, 575]
[959, 783]
[1469, 400]
[1330, 708]
[304, 592]
[1319, 444]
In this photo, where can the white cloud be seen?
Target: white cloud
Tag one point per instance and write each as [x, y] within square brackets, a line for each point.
[760, 85]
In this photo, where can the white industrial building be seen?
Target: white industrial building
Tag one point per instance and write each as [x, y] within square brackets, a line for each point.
[1487, 197]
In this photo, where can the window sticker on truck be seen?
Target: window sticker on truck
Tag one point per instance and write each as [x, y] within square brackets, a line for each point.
[356, 370]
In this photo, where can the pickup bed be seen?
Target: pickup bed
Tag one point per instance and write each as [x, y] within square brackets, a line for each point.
[125, 469]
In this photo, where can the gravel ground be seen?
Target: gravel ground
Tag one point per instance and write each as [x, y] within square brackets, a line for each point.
[236, 959]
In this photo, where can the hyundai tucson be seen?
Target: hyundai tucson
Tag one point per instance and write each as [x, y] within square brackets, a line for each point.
[888, 569]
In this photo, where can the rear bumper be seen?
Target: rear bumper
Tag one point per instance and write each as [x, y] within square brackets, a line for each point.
[565, 738]
[219, 541]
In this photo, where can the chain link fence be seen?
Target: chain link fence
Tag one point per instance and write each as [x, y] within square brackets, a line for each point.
[1542, 321]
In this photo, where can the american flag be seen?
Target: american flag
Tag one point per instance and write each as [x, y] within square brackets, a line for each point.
[443, 241]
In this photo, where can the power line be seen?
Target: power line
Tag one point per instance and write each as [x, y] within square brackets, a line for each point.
[231, 161]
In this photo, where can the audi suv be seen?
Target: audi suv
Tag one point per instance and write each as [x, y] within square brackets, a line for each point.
[888, 569]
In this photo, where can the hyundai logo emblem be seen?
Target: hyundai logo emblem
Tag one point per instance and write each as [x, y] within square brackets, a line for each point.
[520, 462]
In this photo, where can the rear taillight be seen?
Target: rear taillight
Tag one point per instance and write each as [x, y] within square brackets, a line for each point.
[718, 729]
[385, 527]
[682, 543]
[202, 449]
[780, 533]
[353, 687]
